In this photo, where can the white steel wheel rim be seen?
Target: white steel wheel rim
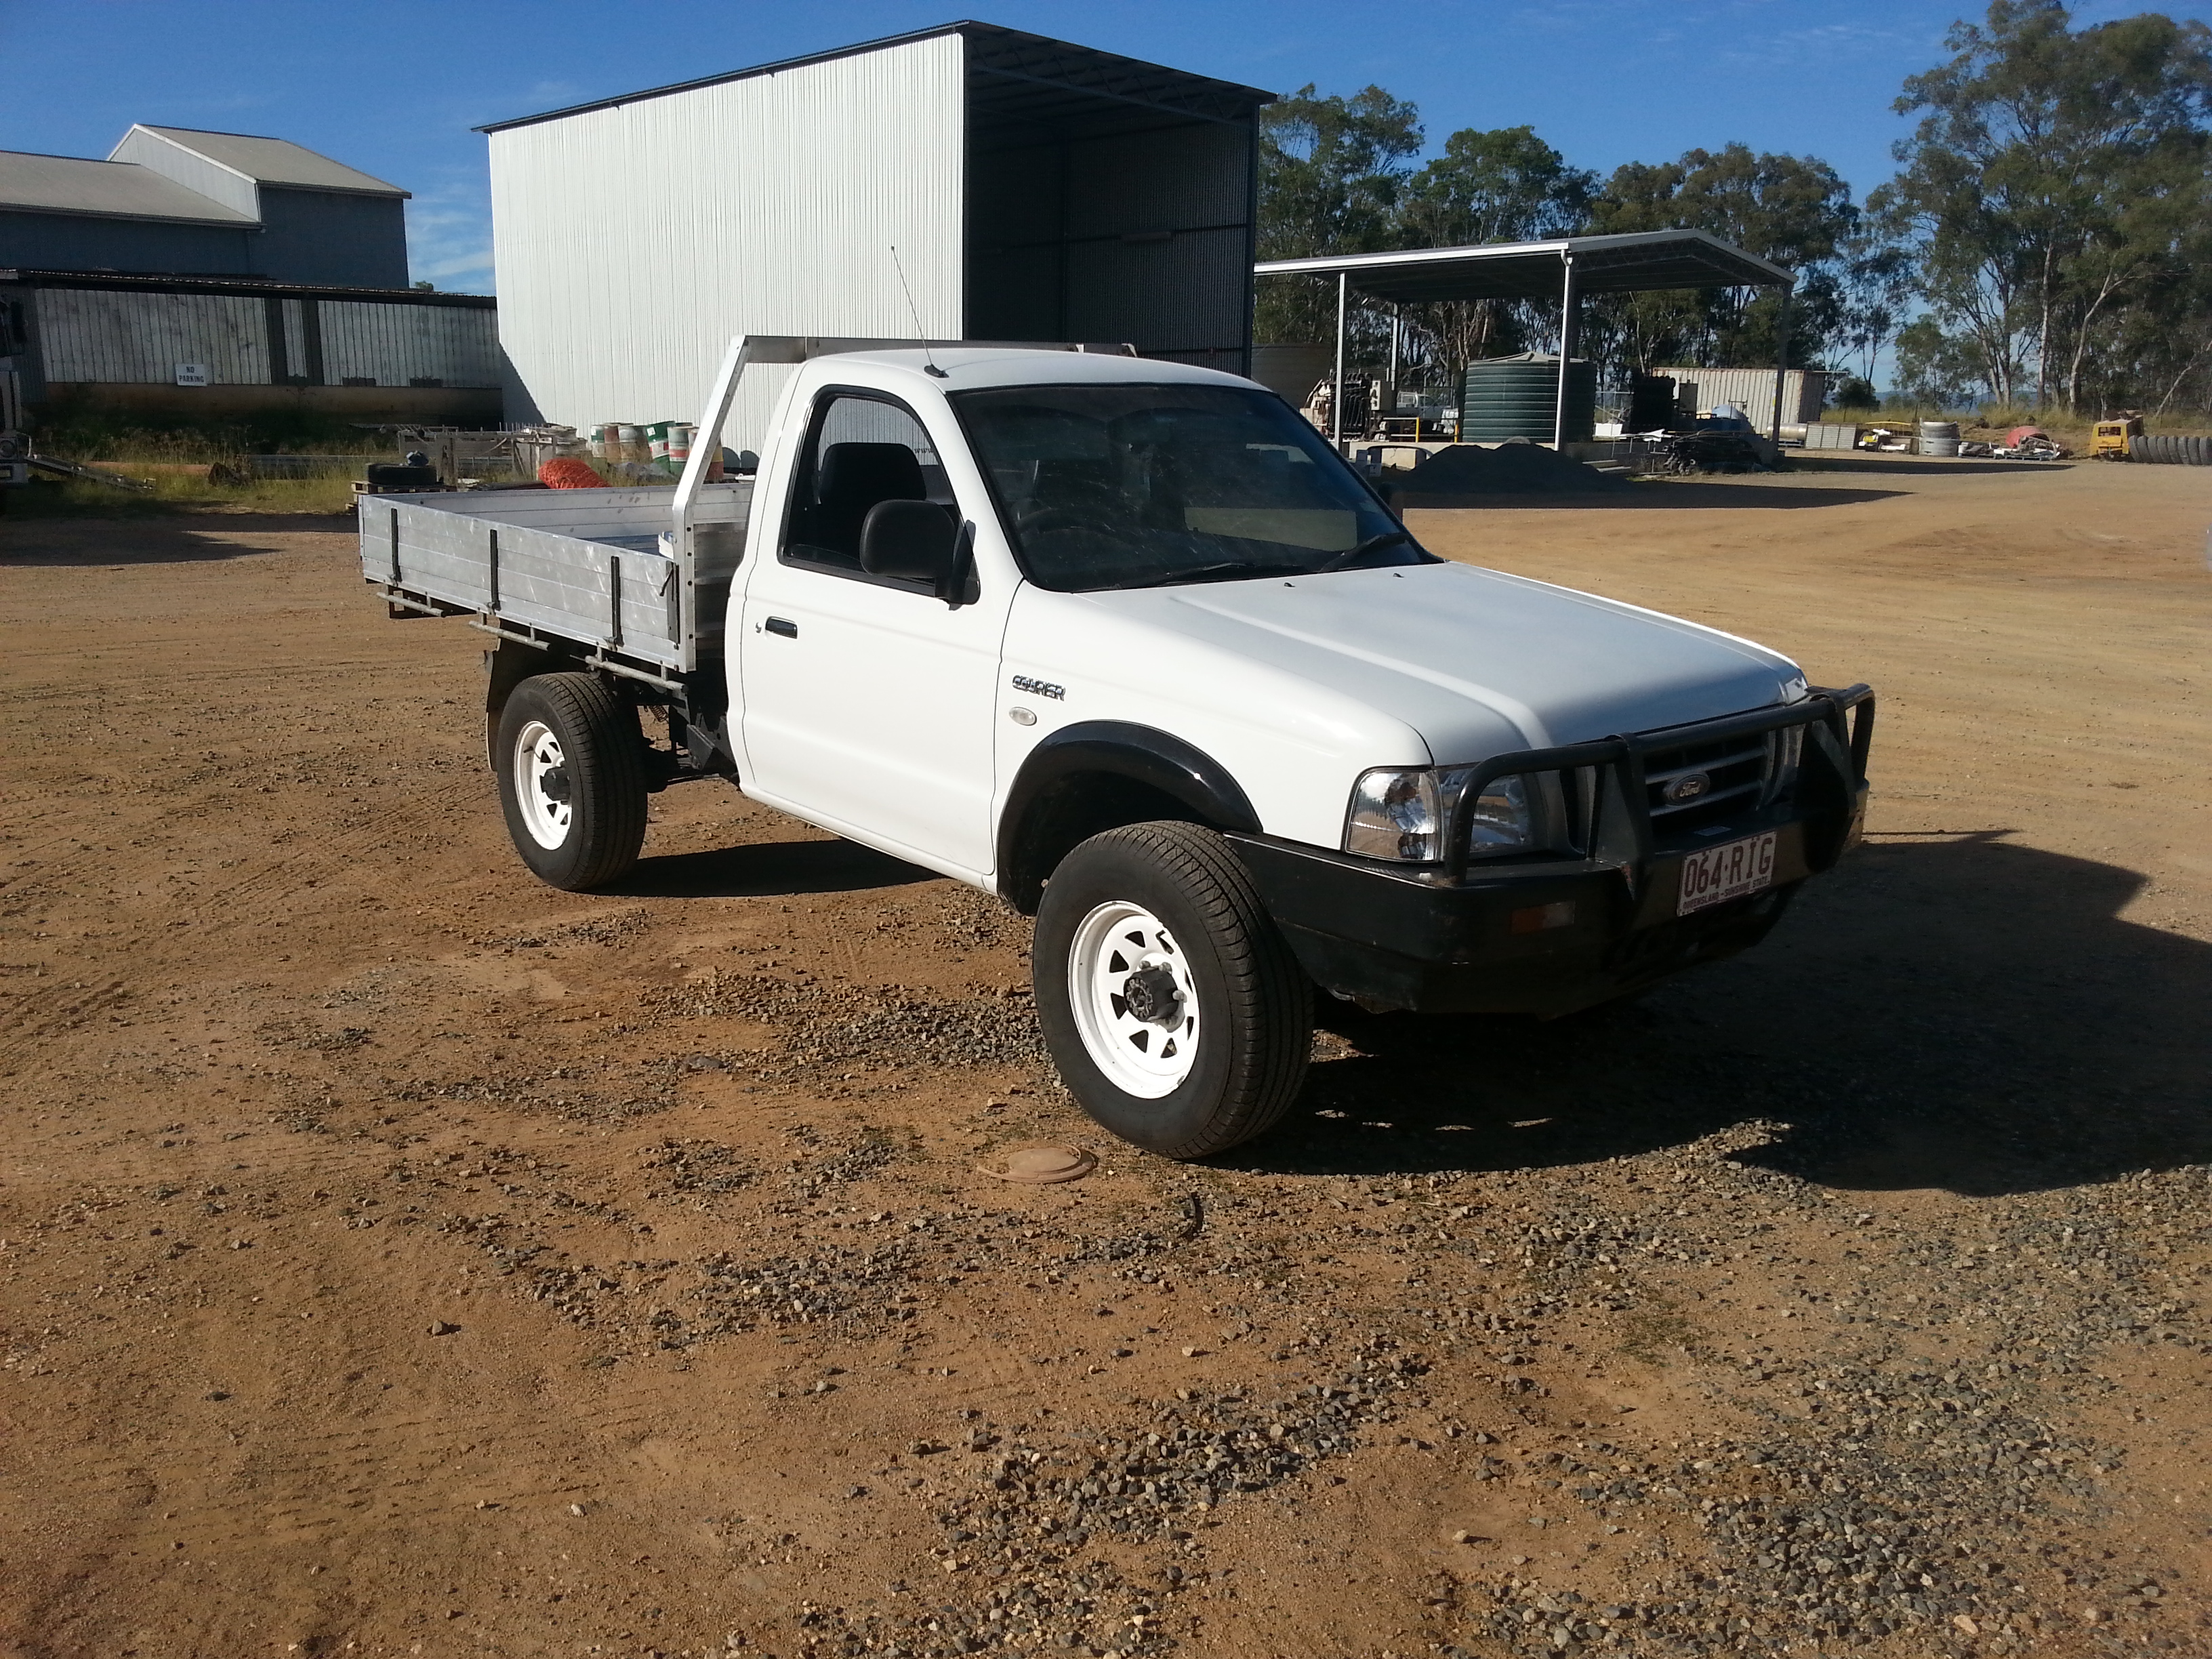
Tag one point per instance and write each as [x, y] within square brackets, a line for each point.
[537, 755]
[1124, 964]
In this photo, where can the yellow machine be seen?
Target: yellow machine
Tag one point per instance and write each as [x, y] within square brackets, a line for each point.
[2109, 440]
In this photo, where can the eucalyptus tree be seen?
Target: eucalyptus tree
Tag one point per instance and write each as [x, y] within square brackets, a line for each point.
[2053, 189]
[1795, 211]
[1332, 170]
[1505, 185]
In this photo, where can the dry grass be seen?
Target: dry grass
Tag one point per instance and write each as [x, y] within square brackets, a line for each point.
[324, 494]
[79, 434]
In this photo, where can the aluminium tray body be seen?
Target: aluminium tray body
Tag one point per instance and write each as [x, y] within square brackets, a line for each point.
[599, 568]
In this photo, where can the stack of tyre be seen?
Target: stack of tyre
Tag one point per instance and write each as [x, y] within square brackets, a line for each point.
[2171, 449]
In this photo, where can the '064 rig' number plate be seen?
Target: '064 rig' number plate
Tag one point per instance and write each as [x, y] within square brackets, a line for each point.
[1717, 874]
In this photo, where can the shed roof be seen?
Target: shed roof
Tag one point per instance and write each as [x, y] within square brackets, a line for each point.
[242, 286]
[107, 189]
[277, 161]
[1631, 263]
[1015, 79]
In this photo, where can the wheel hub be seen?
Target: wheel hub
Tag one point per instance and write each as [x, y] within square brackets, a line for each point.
[1151, 995]
[1134, 1002]
[543, 786]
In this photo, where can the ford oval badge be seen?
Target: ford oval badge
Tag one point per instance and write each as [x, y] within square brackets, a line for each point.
[1688, 787]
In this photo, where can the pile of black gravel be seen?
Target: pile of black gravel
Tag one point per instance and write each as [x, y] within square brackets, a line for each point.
[1510, 469]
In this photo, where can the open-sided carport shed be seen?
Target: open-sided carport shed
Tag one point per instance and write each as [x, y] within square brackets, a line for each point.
[1568, 266]
[1033, 190]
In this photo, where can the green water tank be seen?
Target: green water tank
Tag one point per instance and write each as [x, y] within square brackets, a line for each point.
[1507, 398]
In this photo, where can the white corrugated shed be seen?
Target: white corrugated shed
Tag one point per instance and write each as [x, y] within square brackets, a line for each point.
[631, 243]
[1035, 191]
[1752, 390]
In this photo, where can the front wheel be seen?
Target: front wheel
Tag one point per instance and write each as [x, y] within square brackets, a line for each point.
[1176, 1013]
[572, 780]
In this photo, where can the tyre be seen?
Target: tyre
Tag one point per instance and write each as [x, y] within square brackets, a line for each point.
[1176, 1013]
[571, 769]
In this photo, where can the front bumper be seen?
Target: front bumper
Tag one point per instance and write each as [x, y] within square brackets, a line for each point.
[1547, 934]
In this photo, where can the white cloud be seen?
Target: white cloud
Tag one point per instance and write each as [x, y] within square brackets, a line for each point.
[449, 236]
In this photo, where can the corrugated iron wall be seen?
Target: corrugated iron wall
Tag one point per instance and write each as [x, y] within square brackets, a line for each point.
[631, 243]
[1142, 237]
[138, 336]
[399, 344]
[1752, 390]
[295, 338]
[95, 334]
[1182, 296]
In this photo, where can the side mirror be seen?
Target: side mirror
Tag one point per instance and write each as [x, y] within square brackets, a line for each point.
[915, 540]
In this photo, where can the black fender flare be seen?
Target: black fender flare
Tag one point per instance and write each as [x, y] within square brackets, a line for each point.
[1143, 754]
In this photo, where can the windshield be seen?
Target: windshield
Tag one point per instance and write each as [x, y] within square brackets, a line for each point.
[1139, 486]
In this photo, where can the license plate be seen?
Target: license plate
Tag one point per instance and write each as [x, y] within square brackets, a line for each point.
[1718, 874]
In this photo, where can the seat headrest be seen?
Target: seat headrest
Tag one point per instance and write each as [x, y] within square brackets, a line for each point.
[868, 473]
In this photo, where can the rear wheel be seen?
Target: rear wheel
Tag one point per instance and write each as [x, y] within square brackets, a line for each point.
[1176, 1013]
[572, 780]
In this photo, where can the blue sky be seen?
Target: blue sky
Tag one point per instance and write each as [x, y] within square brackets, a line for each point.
[393, 87]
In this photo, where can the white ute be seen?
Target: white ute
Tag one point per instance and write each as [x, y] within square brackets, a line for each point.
[1128, 644]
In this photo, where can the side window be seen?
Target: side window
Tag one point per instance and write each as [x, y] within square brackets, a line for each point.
[860, 451]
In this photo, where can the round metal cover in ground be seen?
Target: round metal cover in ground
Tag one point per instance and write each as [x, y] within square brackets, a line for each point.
[1044, 1166]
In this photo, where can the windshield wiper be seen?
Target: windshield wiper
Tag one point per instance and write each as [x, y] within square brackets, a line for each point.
[1224, 567]
[1243, 567]
[1372, 544]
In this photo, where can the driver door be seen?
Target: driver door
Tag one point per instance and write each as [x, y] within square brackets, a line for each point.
[869, 703]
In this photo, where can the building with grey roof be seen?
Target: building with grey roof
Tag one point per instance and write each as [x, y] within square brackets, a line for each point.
[171, 201]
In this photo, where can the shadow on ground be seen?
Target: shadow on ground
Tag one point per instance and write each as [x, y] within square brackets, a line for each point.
[152, 538]
[1843, 461]
[1656, 493]
[1965, 1013]
[774, 869]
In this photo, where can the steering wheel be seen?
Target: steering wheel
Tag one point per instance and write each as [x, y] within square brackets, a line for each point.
[1049, 519]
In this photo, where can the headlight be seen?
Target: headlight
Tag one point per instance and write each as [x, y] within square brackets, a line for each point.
[1402, 814]
[1498, 819]
[1789, 751]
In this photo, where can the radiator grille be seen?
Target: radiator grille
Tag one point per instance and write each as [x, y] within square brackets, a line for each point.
[1732, 777]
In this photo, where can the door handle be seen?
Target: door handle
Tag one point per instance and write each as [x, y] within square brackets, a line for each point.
[784, 626]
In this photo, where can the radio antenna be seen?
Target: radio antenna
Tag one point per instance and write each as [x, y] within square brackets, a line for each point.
[928, 362]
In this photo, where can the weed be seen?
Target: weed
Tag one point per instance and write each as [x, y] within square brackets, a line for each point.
[77, 498]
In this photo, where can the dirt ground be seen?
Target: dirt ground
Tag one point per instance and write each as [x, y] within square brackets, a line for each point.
[399, 1257]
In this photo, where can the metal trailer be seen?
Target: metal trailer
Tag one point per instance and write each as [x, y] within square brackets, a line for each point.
[634, 583]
